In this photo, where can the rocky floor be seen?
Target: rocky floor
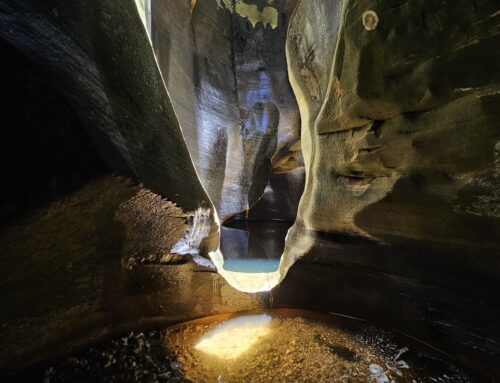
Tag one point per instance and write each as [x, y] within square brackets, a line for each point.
[136, 357]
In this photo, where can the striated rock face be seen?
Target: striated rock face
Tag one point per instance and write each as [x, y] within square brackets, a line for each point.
[225, 68]
[399, 106]
[98, 55]
[399, 125]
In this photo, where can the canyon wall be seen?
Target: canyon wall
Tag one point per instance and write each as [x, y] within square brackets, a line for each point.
[400, 125]
[225, 67]
[399, 103]
[99, 56]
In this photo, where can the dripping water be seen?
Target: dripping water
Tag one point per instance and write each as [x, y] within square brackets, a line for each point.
[271, 299]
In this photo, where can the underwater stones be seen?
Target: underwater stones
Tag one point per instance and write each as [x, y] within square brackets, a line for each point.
[317, 348]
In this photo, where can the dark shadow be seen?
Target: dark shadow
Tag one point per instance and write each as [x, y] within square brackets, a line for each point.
[45, 152]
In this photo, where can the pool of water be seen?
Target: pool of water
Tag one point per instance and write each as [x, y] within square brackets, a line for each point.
[253, 246]
[250, 254]
[252, 266]
[301, 346]
[279, 345]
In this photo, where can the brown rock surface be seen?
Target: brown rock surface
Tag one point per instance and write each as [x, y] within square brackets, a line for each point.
[400, 139]
[80, 269]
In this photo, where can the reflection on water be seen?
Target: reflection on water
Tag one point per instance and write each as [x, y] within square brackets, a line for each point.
[300, 346]
[254, 239]
[252, 246]
[250, 253]
[233, 337]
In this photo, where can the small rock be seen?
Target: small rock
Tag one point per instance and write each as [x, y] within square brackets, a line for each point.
[164, 376]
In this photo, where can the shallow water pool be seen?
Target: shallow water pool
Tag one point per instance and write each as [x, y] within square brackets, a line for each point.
[301, 346]
[280, 345]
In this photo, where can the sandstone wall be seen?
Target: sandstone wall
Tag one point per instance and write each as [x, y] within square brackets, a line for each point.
[225, 67]
[401, 143]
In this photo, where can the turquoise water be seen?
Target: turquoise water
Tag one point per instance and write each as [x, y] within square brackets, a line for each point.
[253, 247]
[252, 265]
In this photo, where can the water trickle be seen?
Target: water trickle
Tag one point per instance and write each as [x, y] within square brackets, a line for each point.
[199, 228]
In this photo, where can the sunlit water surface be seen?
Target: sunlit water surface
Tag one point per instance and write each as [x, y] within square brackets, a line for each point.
[301, 346]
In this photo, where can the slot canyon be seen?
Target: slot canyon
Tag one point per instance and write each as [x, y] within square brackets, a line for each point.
[250, 191]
